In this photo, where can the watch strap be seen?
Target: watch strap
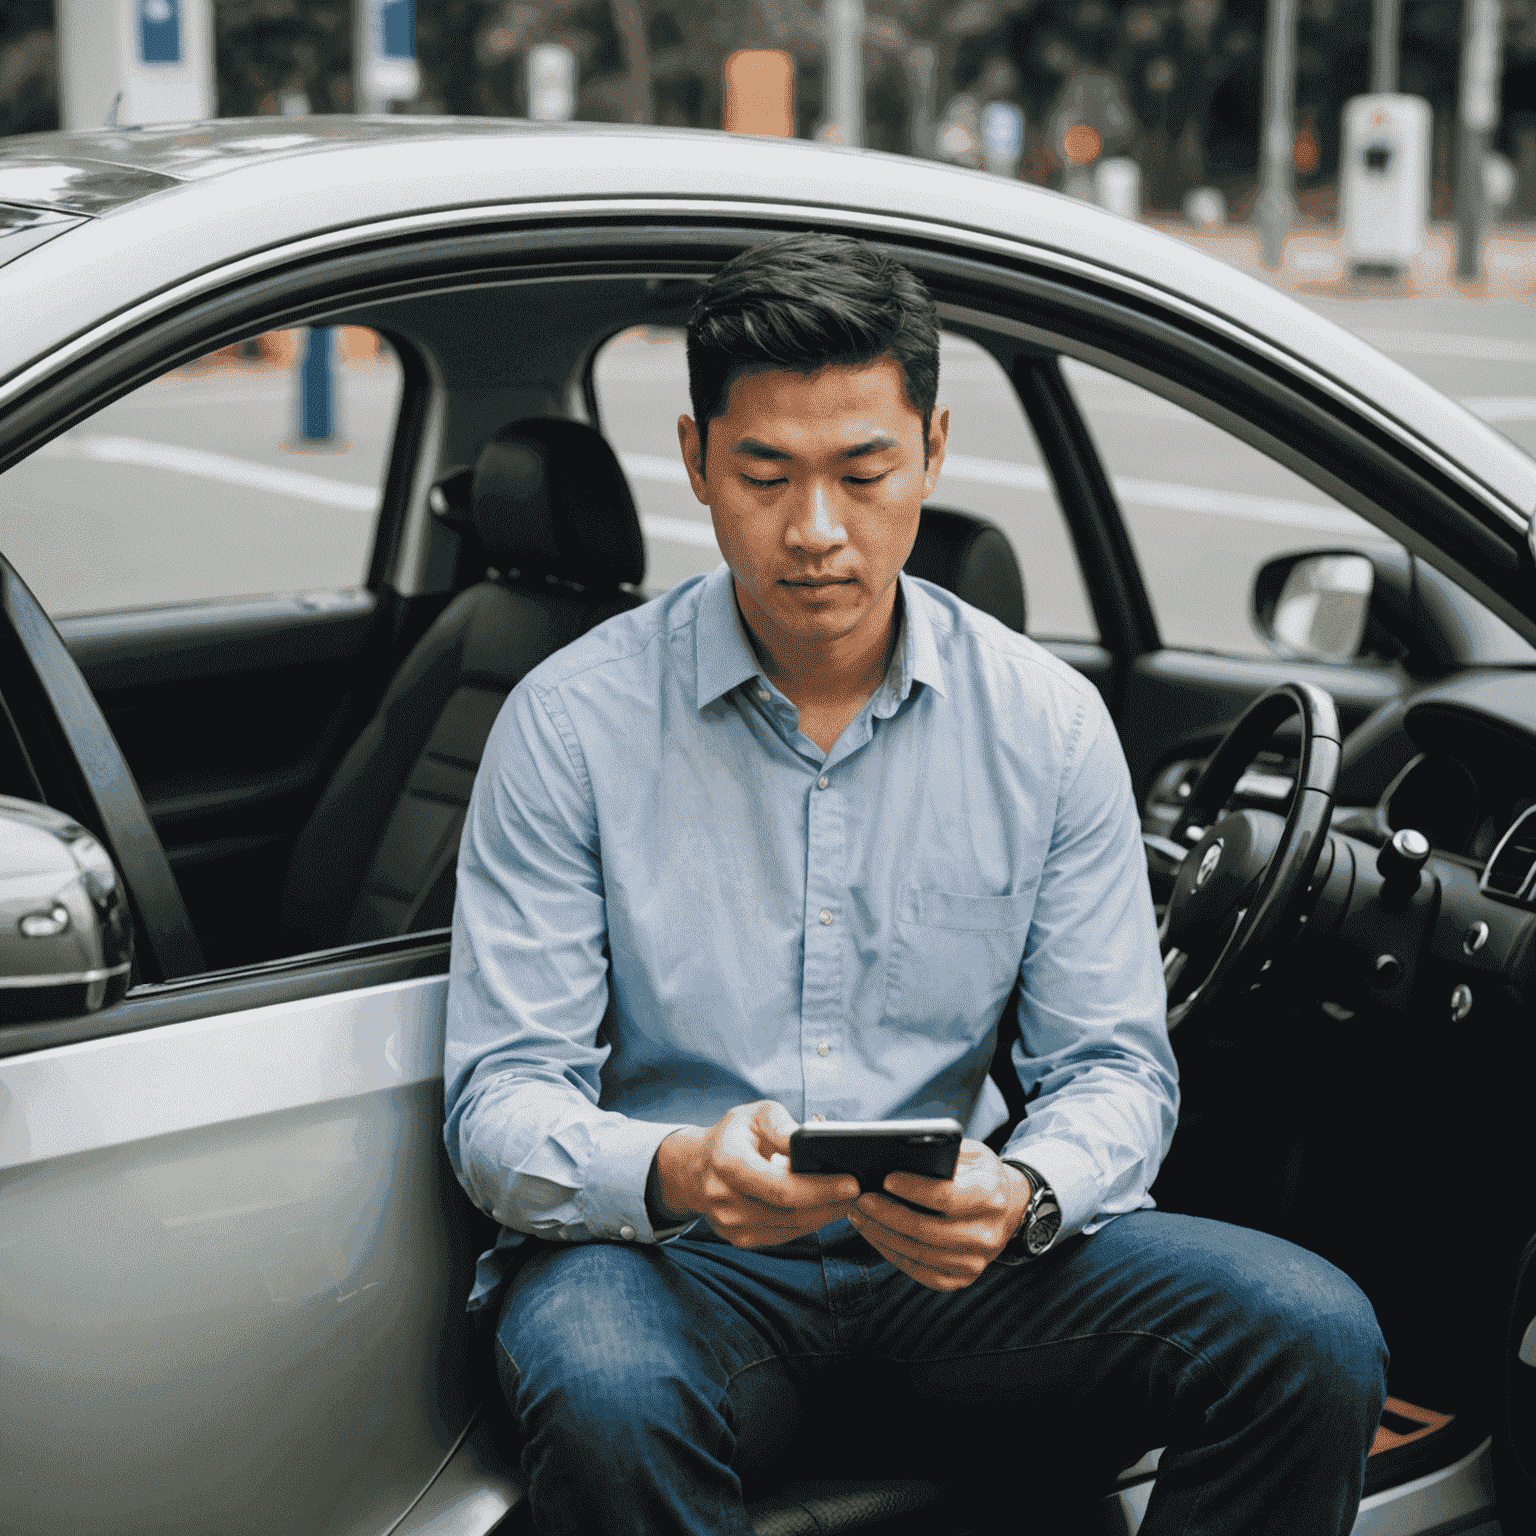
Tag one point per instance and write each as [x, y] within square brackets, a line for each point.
[1036, 1232]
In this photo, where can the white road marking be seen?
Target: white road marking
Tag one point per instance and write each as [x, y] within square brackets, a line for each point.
[1159, 495]
[678, 530]
[203, 465]
[1030, 477]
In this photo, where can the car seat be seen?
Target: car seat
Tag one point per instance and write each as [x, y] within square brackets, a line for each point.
[973, 559]
[554, 514]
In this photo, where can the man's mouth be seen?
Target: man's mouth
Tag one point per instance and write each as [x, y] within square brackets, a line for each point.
[817, 581]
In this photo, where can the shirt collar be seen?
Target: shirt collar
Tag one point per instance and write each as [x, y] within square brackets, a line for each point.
[725, 658]
[918, 650]
[723, 654]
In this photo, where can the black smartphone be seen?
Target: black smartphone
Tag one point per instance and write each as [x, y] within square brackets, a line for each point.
[870, 1149]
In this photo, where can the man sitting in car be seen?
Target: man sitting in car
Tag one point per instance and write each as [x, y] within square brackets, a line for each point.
[775, 848]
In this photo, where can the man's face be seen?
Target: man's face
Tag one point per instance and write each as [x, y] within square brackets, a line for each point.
[815, 482]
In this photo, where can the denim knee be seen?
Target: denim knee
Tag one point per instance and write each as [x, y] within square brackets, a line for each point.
[1321, 1331]
[591, 1356]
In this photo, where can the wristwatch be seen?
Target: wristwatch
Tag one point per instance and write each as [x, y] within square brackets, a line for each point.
[1042, 1220]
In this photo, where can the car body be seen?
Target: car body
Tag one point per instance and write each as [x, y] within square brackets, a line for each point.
[233, 1258]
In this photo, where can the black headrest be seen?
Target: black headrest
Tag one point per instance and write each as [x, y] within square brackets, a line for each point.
[973, 559]
[550, 499]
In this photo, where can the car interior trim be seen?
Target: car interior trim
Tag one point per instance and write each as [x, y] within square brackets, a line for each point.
[97, 782]
[1108, 563]
[404, 562]
[209, 639]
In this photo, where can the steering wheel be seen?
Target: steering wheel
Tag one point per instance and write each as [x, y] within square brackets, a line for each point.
[1244, 882]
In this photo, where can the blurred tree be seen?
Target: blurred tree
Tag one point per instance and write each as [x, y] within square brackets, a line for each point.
[272, 54]
[29, 75]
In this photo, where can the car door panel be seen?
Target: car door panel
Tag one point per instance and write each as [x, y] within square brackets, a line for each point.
[229, 714]
[264, 1247]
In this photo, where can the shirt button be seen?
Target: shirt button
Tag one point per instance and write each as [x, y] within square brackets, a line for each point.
[819, 1119]
[627, 1233]
[826, 917]
[822, 782]
[823, 1048]
[764, 695]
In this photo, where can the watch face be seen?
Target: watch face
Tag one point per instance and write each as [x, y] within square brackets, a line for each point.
[1042, 1232]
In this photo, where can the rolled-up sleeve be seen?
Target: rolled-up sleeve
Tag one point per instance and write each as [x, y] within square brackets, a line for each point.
[1093, 1033]
[527, 995]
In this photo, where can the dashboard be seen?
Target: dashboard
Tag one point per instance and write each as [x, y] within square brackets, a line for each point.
[1462, 772]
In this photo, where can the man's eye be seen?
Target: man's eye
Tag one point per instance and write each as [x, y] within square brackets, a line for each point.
[870, 480]
[762, 484]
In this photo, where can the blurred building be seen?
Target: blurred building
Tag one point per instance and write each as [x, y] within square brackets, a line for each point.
[1180, 79]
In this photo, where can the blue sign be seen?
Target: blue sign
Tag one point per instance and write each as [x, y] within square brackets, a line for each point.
[398, 29]
[159, 31]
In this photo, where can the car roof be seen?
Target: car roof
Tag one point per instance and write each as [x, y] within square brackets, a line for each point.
[168, 202]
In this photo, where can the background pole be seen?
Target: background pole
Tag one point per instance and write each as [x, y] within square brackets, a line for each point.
[1385, 49]
[1276, 204]
[844, 21]
[317, 389]
[1477, 111]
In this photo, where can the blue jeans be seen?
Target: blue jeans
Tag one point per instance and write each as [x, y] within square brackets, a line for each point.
[656, 1384]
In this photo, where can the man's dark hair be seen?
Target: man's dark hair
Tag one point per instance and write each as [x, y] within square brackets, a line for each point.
[802, 302]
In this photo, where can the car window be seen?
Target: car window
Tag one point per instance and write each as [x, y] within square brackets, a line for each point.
[254, 470]
[1204, 511]
[993, 469]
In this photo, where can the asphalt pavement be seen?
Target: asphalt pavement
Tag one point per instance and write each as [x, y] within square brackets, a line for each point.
[193, 487]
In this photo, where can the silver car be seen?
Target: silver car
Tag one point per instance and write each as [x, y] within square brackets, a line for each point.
[262, 594]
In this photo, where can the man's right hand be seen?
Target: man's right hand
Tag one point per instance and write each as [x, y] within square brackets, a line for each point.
[735, 1174]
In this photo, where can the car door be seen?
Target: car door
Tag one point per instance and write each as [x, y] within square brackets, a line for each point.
[205, 544]
[233, 1256]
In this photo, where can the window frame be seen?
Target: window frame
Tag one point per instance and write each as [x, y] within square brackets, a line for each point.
[1286, 408]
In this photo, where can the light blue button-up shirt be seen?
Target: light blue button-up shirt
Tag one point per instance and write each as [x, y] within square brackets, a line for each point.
[671, 901]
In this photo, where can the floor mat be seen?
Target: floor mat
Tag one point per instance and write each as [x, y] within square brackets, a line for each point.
[1411, 1441]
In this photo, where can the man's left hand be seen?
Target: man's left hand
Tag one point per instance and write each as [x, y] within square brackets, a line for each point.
[981, 1208]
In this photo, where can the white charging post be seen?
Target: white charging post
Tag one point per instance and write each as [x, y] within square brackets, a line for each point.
[1384, 181]
[384, 54]
[135, 61]
[1117, 186]
[551, 83]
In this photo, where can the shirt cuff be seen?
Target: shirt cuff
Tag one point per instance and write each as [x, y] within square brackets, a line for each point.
[1071, 1173]
[613, 1183]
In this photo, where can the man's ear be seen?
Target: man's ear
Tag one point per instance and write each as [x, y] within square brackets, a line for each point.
[692, 447]
[938, 439]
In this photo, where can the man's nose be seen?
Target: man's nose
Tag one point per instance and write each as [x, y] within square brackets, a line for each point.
[816, 527]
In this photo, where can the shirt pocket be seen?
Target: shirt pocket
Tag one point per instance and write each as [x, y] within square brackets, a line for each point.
[954, 958]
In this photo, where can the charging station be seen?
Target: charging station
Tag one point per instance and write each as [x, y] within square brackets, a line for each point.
[1384, 181]
[135, 61]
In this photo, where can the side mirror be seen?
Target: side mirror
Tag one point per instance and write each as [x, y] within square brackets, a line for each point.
[1314, 606]
[66, 937]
